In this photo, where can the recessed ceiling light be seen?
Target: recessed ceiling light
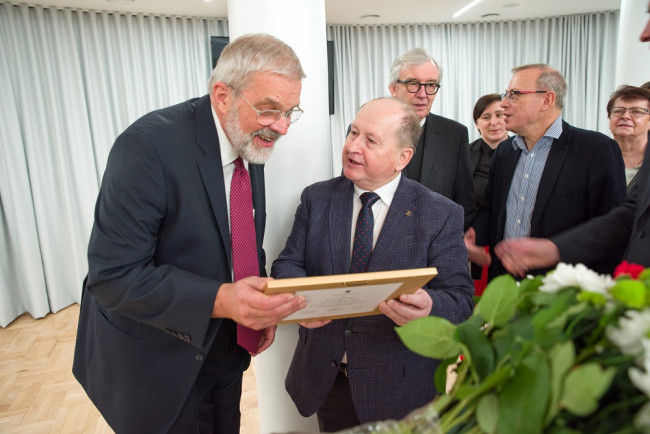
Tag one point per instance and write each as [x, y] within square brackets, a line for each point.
[369, 16]
[511, 5]
[490, 15]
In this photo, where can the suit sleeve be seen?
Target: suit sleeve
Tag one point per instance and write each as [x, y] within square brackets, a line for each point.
[123, 274]
[608, 188]
[452, 289]
[599, 237]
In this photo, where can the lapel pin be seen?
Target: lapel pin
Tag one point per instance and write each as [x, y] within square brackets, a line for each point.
[408, 213]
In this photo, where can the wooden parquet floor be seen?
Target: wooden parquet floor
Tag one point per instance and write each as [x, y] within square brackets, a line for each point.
[39, 394]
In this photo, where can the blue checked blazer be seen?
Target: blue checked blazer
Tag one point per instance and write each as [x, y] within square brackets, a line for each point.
[422, 229]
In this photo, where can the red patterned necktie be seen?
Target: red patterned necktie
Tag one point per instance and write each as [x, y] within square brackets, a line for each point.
[362, 246]
[244, 245]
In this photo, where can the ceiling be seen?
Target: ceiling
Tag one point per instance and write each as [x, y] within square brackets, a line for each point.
[353, 11]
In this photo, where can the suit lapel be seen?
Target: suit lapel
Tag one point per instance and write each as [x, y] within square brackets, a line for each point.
[211, 168]
[399, 216]
[259, 205]
[550, 174]
[643, 183]
[340, 227]
[510, 159]
[474, 156]
[432, 139]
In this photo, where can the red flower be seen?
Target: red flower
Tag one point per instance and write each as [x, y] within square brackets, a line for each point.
[626, 268]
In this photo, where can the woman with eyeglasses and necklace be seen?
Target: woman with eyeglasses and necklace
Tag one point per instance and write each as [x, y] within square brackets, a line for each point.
[628, 111]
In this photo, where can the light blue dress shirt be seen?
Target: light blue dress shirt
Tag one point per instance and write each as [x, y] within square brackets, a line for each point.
[525, 182]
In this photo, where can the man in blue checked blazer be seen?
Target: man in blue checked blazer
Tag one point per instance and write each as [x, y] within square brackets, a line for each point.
[352, 371]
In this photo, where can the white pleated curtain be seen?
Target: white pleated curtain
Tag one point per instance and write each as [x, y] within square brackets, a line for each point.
[476, 59]
[71, 80]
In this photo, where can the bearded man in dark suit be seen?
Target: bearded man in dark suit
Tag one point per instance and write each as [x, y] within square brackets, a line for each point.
[156, 348]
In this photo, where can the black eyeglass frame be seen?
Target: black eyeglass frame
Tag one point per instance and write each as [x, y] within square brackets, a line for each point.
[411, 83]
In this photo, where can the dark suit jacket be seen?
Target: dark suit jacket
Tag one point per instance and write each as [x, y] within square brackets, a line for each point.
[422, 229]
[583, 178]
[158, 252]
[445, 162]
[624, 230]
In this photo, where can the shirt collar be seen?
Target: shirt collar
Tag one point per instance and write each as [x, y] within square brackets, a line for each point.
[553, 132]
[385, 192]
[228, 153]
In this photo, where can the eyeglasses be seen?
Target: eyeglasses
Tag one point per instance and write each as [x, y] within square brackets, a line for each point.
[413, 86]
[635, 112]
[512, 94]
[269, 117]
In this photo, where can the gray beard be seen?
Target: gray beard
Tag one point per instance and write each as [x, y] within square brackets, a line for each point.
[243, 142]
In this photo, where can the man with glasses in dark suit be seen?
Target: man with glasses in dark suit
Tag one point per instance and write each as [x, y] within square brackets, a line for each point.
[441, 159]
[625, 230]
[548, 178]
[159, 347]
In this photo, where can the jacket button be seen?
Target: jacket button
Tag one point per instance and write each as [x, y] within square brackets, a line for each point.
[640, 234]
[198, 357]
[348, 333]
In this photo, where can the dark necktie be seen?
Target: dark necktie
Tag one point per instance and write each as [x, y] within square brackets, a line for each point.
[244, 245]
[362, 246]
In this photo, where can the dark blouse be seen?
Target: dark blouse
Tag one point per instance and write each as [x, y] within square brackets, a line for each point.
[481, 155]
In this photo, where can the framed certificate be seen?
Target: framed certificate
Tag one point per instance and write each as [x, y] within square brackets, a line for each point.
[348, 295]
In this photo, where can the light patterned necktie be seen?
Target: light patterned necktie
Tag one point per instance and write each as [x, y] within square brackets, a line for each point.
[362, 246]
[244, 245]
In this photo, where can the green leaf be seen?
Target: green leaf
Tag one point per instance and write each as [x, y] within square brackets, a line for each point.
[562, 430]
[562, 356]
[644, 275]
[632, 293]
[584, 386]
[487, 412]
[494, 381]
[480, 354]
[510, 339]
[530, 285]
[430, 336]
[559, 305]
[595, 298]
[524, 399]
[499, 300]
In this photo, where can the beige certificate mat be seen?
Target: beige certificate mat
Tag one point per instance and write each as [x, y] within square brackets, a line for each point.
[348, 295]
